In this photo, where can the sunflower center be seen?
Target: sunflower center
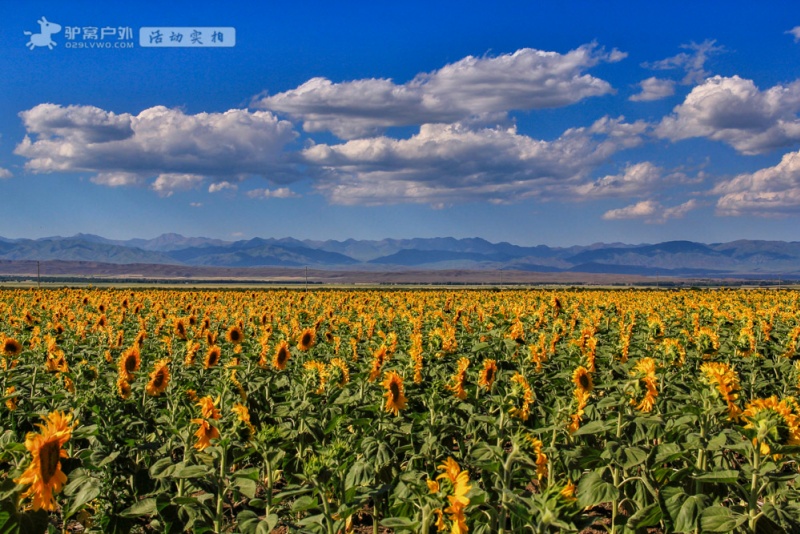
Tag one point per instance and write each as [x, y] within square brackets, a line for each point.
[159, 379]
[489, 375]
[48, 460]
[130, 364]
[306, 339]
[394, 390]
[235, 335]
[584, 381]
[283, 355]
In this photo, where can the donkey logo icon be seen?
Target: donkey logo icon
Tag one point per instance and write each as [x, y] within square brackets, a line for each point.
[43, 37]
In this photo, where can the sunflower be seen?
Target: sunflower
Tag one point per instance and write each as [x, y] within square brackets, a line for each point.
[307, 339]
[159, 378]
[524, 410]
[457, 387]
[541, 457]
[123, 387]
[208, 407]
[726, 380]
[459, 482]
[647, 367]
[773, 421]
[488, 373]
[129, 363]
[11, 402]
[395, 399]
[179, 327]
[243, 414]
[234, 335]
[340, 365]
[44, 473]
[204, 434]
[568, 492]
[378, 359]
[212, 357]
[281, 356]
[11, 347]
[582, 379]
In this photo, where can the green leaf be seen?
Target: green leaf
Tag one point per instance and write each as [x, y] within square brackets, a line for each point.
[645, 517]
[144, 507]
[595, 427]
[162, 468]
[306, 502]
[633, 456]
[360, 474]
[667, 452]
[191, 471]
[720, 519]
[400, 523]
[725, 476]
[690, 510]
[247, 486]
[592, 489]
[81, 491]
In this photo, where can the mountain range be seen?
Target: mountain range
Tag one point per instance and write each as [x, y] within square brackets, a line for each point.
[671, 258]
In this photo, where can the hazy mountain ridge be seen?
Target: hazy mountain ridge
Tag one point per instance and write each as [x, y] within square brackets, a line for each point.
[670, 258]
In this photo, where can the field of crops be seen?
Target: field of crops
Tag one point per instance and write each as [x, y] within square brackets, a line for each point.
[419, 411]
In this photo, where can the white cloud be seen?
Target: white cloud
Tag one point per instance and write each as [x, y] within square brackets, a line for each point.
[221, 186]
[5, 173]
[651, 211]
[692, 63]
[654, 89]
[637, 179]
[117, 179]
[125, 149]
[645, 208]
[796, 33]
[281, 192]
[446, 163]
[196, 204]
[733, 110]
[168, 183]
[485, 88]
[769, 192]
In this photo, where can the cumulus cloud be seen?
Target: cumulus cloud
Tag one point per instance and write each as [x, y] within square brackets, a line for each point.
[733, 110]
[485, 88]
[125, 149]
[637, 179]
[5, 173]
[796, 33]
[168, 183]
[221, 186]
[654, 89]
[117, 179]
[651, 211]
[281, 192]
[769, 192]
[692, 62]
[196, 204]
[448, 163]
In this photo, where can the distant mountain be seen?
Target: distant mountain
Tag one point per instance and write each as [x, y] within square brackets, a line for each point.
[255, 252]
[742, 258]
[77, 249]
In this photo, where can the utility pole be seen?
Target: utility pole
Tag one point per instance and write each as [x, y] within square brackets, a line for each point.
[38, 276]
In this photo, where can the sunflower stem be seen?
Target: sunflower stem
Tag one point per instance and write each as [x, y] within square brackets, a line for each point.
[221, 489]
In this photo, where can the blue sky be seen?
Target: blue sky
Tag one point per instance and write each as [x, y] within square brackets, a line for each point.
[553, 123]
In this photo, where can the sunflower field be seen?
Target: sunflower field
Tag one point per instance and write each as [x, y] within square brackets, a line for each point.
[334, 411]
